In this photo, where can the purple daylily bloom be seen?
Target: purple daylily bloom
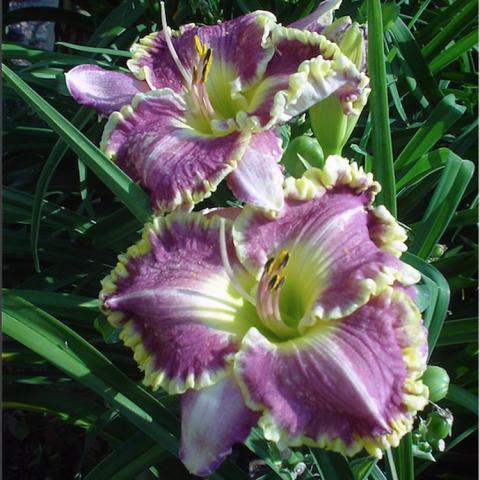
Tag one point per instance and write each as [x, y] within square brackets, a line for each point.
[303, 322]
[201, 104]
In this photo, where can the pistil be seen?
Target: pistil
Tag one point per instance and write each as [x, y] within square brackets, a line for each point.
[171, 49]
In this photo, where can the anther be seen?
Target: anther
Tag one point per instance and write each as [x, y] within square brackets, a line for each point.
[273, 281]
[207, 64]
[280, 283]
[276, 282]
[208, 54]
[280, 261]
[284, 260]
[268, 265]
[198, 45]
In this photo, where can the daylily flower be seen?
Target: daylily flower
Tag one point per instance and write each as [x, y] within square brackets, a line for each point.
[304, 322]
[201, 104]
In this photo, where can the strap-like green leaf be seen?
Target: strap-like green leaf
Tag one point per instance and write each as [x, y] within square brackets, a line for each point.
[443, 116]
[382, 163]
[118, 182]
[69, 352]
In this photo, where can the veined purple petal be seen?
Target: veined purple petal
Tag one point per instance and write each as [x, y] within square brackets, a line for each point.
[105, 91]
[153, 143]
[305, 69]
[258, 179]
[151, 60]
[320, 18]
[334, 266]
[238, 43]
[179, 310]
[213, 420]
[343, 385]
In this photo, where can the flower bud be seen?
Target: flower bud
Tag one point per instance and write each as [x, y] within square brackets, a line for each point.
[439, 425]
[437, 381]
[301, 153]
[351, 38]
[334, 118]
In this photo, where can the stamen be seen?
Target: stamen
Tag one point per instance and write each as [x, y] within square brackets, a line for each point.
[285, 257]
[195, 77]
[268, 305]
[269, 264]
[207, 65]
[228, 267]
[280, 283]
[171, 49]
[276, 282]
[278, 263]
[272, 282]
[198, 45]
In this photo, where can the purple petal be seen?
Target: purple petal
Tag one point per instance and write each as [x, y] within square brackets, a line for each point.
[238, 44]
[344, 385]
[152, 142]
[320, 18]
[105, 91]
[324, 226]
[213, 420]
[258, 178]
[179, 311]
[305, 69]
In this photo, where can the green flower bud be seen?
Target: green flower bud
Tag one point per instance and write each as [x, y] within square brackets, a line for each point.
[352, 45]
[331, 123]
[439, 425]
[439, 250]
[331, 126]
[437, 381]
[301, 153]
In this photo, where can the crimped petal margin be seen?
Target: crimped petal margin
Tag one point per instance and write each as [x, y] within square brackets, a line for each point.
[239, 46]
[385, 231]
[151, 49]
[335, 265]
[337, 173]
[292, 85]
[174, 302]
[151, 141]
[289, 398]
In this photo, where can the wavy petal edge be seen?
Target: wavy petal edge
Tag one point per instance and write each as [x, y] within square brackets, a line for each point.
[185, 199]
[332, 61]
[415, 396]
[153, 377]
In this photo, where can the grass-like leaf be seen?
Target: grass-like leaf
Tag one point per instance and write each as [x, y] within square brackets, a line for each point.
[118, 182]
[129, 459]
[460, 331]
[463, 397]
[69, 352]
[443, 204]
[382, 163]
[443, 116]
[424, 84]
